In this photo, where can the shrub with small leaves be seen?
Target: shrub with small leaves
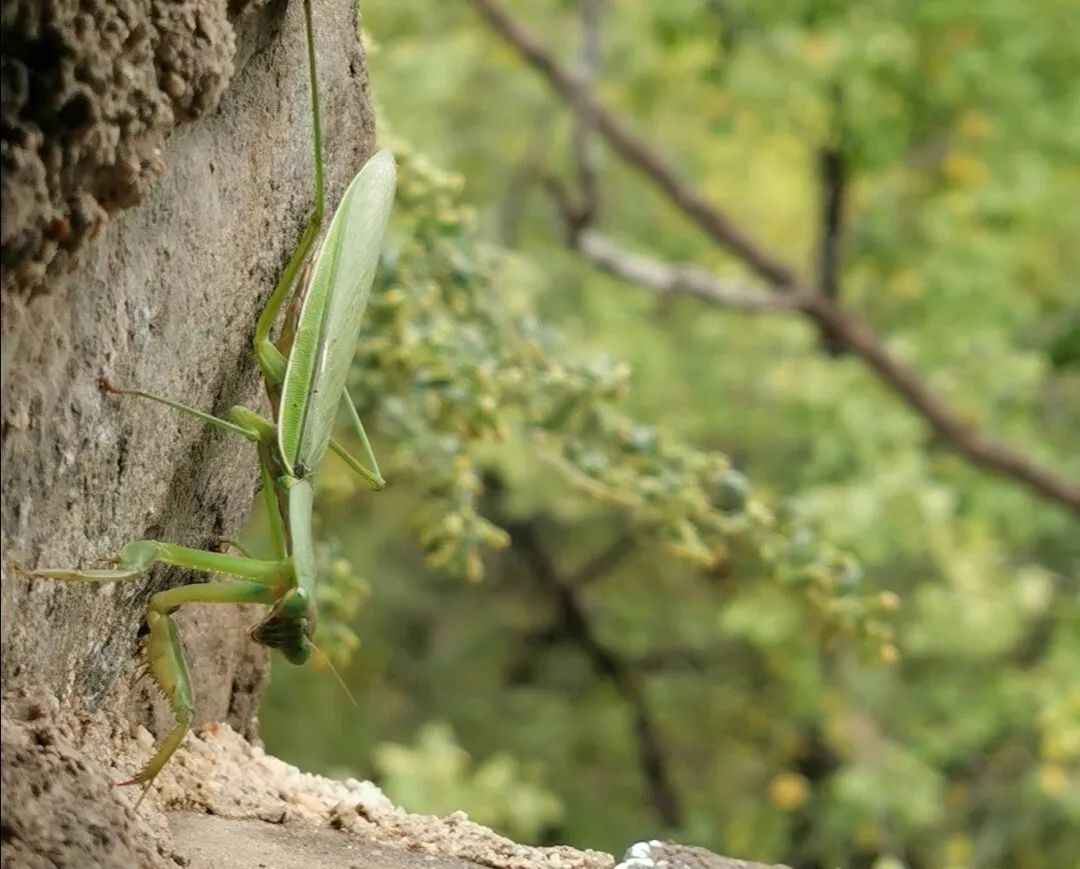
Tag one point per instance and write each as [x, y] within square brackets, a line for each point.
[452, 360]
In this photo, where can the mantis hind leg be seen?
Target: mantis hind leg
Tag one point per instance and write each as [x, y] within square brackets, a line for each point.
[271, 360]
[370, 472]
[237, 415]
[166, 664]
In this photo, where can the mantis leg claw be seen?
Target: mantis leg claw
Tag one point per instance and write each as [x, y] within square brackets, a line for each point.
[225, 542]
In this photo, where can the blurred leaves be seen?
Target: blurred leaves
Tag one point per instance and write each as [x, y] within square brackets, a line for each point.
[436, 776]
[608, 416]
[452, 361]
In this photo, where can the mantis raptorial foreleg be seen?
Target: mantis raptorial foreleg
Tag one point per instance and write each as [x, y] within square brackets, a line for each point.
[235, 544]
[167, 666]
[165, 662]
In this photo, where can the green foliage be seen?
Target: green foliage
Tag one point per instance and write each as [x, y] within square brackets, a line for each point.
[434, 777]
[487, 375]
[450, 363]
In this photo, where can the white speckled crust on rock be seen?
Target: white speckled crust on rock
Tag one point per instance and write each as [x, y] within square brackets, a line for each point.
[225, 804]
[655, 854]
[166, 300]
[221, 804]
[221, 775]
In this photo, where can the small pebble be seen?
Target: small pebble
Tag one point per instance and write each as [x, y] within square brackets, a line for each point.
[144, 737]
[307, 801]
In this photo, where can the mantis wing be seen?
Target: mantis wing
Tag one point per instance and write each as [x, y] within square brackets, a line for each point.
[329, 323]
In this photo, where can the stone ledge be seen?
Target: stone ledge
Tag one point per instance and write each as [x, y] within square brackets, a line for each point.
[224, 802]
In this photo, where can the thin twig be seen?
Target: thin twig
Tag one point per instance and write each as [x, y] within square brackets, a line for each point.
[835, 323]
[584, 152]
[832, 175]
[575, 617]
[677, 278]
[586, 483]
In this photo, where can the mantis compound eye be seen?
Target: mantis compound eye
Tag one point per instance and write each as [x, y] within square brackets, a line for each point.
[289, 626]
[291, 636]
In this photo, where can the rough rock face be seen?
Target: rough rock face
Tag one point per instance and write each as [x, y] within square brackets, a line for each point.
[165, 298]
[91, 91]
[167, 301]
[224, 804]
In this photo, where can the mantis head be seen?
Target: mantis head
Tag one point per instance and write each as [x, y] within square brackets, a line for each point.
[289, 626]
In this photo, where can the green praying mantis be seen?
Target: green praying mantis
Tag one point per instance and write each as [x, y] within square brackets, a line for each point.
[305, 373]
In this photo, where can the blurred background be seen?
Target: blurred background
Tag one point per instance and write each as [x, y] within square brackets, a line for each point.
[663, 555]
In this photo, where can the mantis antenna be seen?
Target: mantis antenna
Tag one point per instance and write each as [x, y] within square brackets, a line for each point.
[326, 660]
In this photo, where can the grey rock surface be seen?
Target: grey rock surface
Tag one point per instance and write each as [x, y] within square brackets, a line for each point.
[91, 91]
[165, 299]
[225, 843]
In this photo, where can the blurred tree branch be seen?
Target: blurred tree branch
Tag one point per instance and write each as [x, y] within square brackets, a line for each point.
[678, 278]
[528, 175]
[584, 153]
[681, 658]
[601, 564]
[838, 327]
[833, 178]
[575, 624]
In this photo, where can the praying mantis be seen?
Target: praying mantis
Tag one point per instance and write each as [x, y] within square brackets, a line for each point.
[304, 372]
